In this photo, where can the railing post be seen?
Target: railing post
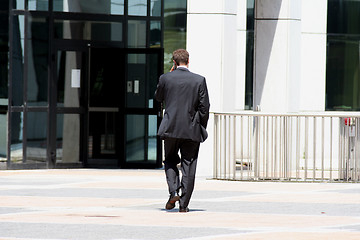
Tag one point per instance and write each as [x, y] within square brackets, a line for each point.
[215, 146]
[256, 143]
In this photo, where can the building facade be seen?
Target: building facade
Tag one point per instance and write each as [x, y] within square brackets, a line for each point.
[275, 56]
[77, 77]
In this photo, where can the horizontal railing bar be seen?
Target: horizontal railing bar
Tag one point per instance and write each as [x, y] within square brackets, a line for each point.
[303, 114]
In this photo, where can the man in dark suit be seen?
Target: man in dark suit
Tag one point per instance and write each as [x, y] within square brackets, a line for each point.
[185, 97]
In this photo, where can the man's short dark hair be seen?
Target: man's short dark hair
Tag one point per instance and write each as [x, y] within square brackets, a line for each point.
[181, 56]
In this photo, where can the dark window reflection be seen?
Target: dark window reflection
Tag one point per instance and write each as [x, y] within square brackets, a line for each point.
[3, 135]
[343, 16]
[155, 8]
[136, 92]
[175, 29]
[152, 131]
[70, 74]
[17, 60]
[136, 34]
[17, 120]
[155, 34]
[67, 138]
[90, 6]
[136, 138]
[38, 62]
[4, 29]
[342, 70]
[107, 71]
[137, 7]
[19, 4]
[4, 6]
[102, 134]
[36, 137]
[249, 55]
[88, 30]
[39, 5]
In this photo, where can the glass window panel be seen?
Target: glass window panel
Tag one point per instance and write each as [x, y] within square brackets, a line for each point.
[3, 136]
[249, 55]
[155, 8]
[38, 45]
[4, 6]
[19, 4]
[90, 6]
[135, 138]
[342, 65]
[17, 80]
[107, 73]
[137, 7]
[87, 30]
[83, 6]
[36, 135]
[4, 30]
[153, 77]
[68, 138]
[343, 16]
[152, 139]
[342, 73]
[117, 7]
[250, 14]
[175, 29]
[155, 34]
[38, 5]
[3, 75]
[136, 82]
[136, 34]
[69, 63]
[249, 70]
[102, 130]
[16, 148]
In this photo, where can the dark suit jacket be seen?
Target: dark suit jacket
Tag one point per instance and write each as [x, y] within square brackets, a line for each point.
[186, 100]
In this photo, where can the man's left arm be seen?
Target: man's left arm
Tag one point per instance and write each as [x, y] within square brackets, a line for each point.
[204, 104]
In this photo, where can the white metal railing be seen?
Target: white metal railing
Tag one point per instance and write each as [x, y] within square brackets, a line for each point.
[287, 147]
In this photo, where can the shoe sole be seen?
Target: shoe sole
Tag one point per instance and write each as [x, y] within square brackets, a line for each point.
[185, 210]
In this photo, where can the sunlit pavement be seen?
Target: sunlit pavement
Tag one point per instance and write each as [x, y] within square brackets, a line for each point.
[129, 204]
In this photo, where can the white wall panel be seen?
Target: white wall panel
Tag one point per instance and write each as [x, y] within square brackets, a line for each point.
[240, 71]
[313, 72]
[241, 14]
[278, 9]
[271, 65]
[229, 64]
[314, 16]
[204, 45]
[212, 6]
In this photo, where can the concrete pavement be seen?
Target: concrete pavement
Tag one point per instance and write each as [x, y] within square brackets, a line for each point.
[129, 204]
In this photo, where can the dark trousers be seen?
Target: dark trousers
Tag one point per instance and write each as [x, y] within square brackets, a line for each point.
[189, 153]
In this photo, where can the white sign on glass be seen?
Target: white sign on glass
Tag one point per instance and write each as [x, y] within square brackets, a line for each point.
[136, 86]
[75, 78]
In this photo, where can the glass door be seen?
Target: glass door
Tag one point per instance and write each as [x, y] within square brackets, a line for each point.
[123, 117]
[107, 71]
[143, 148]
[67, 106]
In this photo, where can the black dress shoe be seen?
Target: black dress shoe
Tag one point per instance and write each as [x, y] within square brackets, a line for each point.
[172, 200]
[183, 209]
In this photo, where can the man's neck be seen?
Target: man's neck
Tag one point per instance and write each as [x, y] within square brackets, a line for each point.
[181, 65]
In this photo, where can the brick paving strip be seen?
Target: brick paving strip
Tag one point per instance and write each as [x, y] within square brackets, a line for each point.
[129, 204]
